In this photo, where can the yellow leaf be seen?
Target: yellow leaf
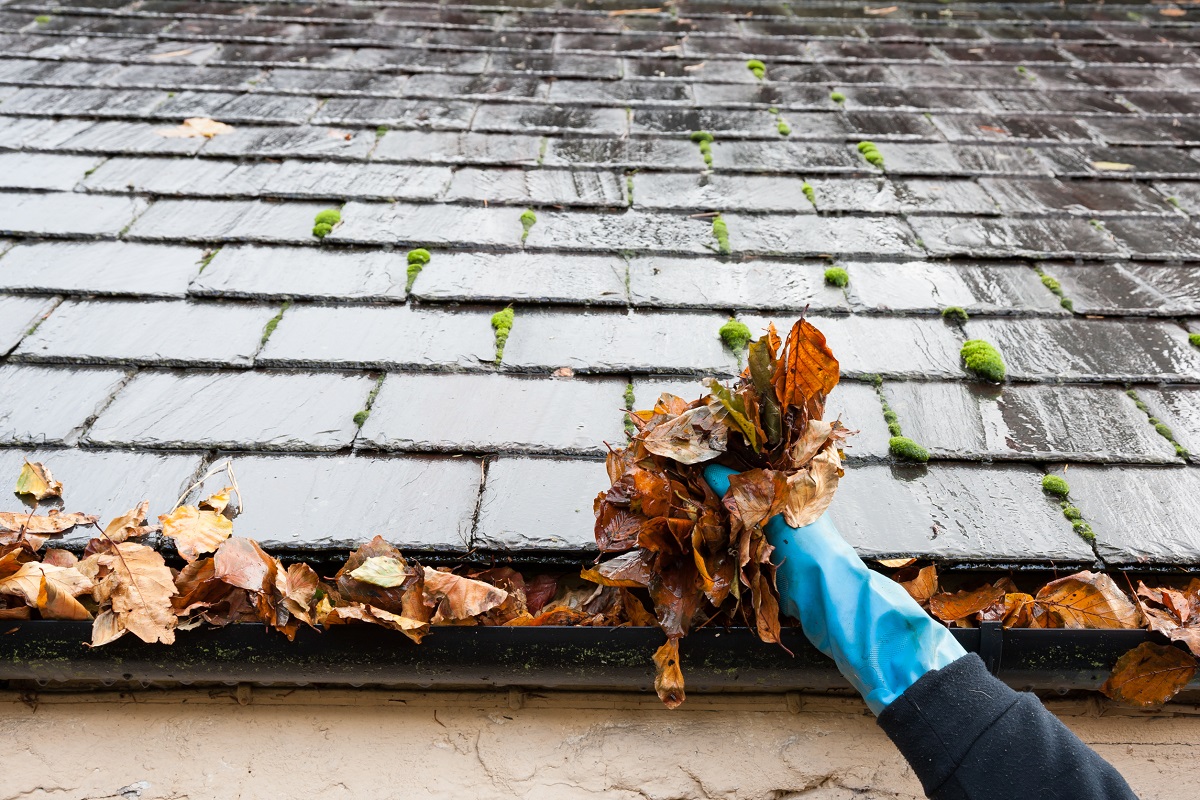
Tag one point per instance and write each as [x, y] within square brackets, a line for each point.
[195, 532]
[1088, 600]
[36, 480]
[381, 571]
[129, 525]
[195, 128]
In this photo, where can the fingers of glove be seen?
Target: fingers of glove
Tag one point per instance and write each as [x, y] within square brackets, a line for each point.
[717, 478]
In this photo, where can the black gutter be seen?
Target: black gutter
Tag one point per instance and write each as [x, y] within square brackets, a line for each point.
[51, 653]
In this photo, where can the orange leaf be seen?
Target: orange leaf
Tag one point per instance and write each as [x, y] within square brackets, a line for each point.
[922, 587]
[806, 371]
[948, 607]
[668, 677]
[1149, 675]
[1088, 600]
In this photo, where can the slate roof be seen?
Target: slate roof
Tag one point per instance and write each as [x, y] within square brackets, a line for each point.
[1019, 139]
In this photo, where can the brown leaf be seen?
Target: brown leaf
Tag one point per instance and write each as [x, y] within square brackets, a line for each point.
[806, 371]
[693, 437]
[1149, 675]
[52, 524]
[58, 558]
[457, 598]
[358, 612]
[35, 480]
[243, 563]
[668, 676]
[949, 607]
[754, 497]
[129, 525]
[196, 128]
[631, 569]
[1087, 600]
[810, 490]
[922, 586]
[137, 588]
[195, 531]
[51, 590]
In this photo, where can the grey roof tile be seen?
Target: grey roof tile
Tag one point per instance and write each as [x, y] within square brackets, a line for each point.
[177, 176]
[1023, 238]
[225, 221]
[1108, 289]
[637, 231]
[40, 405]
[719, 192]
[18, 315]
[771, 234]
[539, 187]
[299, 272]
[66, 214]
[1179, 410]
[523, 277]
[36, 171]
[236, 410]
[400, 224]
[706, 283]
[539, 504]
[458, 148]
[926, 286]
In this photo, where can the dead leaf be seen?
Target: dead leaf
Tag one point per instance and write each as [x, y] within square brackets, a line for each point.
[810, 490]
[51, 590]
[456, 598]
[806, 371]
[1149, 675]
[626, 11]
[692, 437]
[1172, 12]
[136, 589]
[382, 571]
[950, 607]
[129, 525]
[196, 531]
[895, 563]
[1087, 600]
[1112, 166]
[195, 128]
[668, 676]
[52, 524]
[35, 480]
[879, 12]
[923, 586]
[631, 569]
[243, 563]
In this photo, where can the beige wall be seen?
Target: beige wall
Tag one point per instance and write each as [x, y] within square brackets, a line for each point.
[311, 745]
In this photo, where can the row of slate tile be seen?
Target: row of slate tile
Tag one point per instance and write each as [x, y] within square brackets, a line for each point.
[994, 513]
[219, 334]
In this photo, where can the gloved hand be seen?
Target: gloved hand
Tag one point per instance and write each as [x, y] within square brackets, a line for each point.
[880, 638]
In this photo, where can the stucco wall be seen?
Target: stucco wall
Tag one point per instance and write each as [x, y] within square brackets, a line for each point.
[306, 744]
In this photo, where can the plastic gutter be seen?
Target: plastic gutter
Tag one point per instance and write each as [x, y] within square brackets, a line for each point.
[50, 653]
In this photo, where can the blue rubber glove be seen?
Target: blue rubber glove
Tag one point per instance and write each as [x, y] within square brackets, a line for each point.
[880, 638]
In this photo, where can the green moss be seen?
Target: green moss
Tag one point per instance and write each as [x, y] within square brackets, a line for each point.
[1051, 284]
[837, 97]
[906, 449]
[1025, 73]
[704, 140]
[630, 428]
[700, 137]
[381, 131]
[207, 258]
[1084, 530]
[542, 147]
[43, 19]
[273, 322]
[1175, 202]
[837, 276]
[324, 221]
[1055, 485]
[629, 188]
[360, 418]
[1194, 339]
[1160, 427]
[502, 322]
[809, 192]
[528, 220]
[871, 154]
[757, 67]
[419, 256]
[982, 359]
[955, 314]
[735, 335]
[1067, 303]
[1071, 512]
[721, 234]
[783, 128]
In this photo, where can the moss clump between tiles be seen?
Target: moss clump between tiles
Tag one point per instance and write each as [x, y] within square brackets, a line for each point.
[360, 417]
[837, 276]
[837, 97]
[735, 335]
[1057, 486]
[1056, 289]
[274, 321]
[906, 449]
[758, 68]
[955, 314]
[809, 192]
[1160, 427]
[630, 428]
[417, 259]
[1194, 339]
[983, 360]
[528, 220]
[721, 234]
[324, 221]
[704, 140]
[871, 154]
[502, 322]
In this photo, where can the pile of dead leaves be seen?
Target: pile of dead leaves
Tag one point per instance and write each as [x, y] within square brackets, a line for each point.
[699, 556]
[1147, 676]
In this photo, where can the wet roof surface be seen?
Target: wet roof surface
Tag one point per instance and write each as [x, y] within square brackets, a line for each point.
[1018, 140]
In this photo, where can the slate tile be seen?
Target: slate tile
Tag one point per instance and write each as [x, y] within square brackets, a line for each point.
[857, 405]
[889, 126]
[1009, 238]
[1166, 239]
[234, 410]
[577, 120]
[931, 196]
[859, 195]
[787, 95]
[100, 268]
[479, 87]
[106, 483]
[721, 123]
[623, 92]
[66, 214]
[382, 223]
[771, 234]
[387, 336]
[899, 347]
[564, 65]
[594, 341]
[539, 504]
[229, 221]
[306, 503]
[1090, 350]
[1106, 289]
[18, 315]
[622, 153]
[1179, 409]
[1143, 162]
[447, 115]
[923, 286]
[1085, 198]
[154, 332]
[302, 179]
[110, 138]
[287, 142]
[522, 277]
[110, 103]
[902, 158]
[304, 273]
[272, 109]
[324, 83]
[1184, 195]
[706, 191]
[157, 76]
[1047, 423]
[180, 176]
[458, 148]
[1180, 285]
[1074, 102]
[1041, 128]
[496, 414]
[961, 512]
[539, 187]
[785, 156]
[37, 171]
[40, 405]
[638, 231]
[1140, 515]
[1140, 131]
[706, 284]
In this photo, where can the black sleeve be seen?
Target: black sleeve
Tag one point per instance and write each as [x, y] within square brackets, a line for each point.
[967, 736]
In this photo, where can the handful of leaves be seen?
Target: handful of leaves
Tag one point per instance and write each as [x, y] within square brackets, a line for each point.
[702, 557]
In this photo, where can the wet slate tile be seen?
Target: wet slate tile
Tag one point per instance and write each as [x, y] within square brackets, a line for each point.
[857, 405]
[706, 283]
[1041, 128]
[1140, 515]
[960, 512]
[301, 179]
[595, 341]
[458, 148]
[180, 176]
[441, 115]
[300, 503]
[1008, 238]
[1106, 289]
[324, 83]
[539, 187]
[40, 405]
[1157, 238]
[285, 142]
[1180, 285]
[923, 286]
[478, 87]
[1047, 423]
[643, 232]
[577, 120]
[1180, 410]
[382, 223]
[899, 347]
[721, 123]
[522, 277]
[1086, 198]
[388, 336]
[563, 65]
[272, 109]
[18, 315]
[496, 414]
[622, 153]
[1090, 350]
[228, 220]
[66, 213]
[38, 171]
[109, 138]
[771, 234]
[706, 191]
[902, 158]
[100, 268]
[177, 77]
[302, 273]
[1184, 195]
[623, 92]
[859, 195]
[106, 483]
[785, 156]
[129, 103]
[234, 410]
[919, 196]
[1141, 131]
[539, 504]
[154, 332]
